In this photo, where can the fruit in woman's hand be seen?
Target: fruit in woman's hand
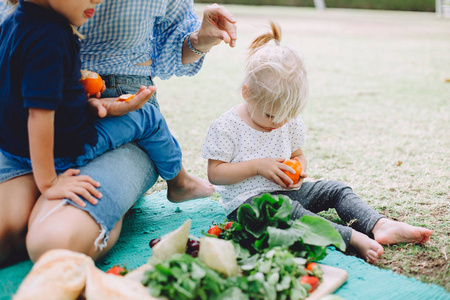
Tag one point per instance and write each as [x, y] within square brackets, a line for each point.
[297, 166]
[312, 281]
[125, 97]
[117, 270]
[91, 81]
[215, 230]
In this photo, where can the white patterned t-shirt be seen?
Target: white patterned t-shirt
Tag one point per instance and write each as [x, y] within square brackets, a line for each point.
[231, 140]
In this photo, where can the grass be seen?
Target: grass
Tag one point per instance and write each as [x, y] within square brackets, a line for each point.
[377, 118]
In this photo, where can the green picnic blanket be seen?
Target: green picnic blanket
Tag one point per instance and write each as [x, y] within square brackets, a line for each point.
[154, 216]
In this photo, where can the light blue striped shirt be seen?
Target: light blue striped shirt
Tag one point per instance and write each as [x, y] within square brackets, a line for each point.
[123, 33]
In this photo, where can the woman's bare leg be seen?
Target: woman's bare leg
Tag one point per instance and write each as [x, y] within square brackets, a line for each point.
[66, 228]
[17, 197]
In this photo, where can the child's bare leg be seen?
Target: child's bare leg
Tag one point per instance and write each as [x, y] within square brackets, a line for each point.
[368, 248]
[388, 231]
[66, 228]
[187, 187]
[17, 197]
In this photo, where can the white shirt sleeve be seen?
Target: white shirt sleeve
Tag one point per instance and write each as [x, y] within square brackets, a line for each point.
[219, 143]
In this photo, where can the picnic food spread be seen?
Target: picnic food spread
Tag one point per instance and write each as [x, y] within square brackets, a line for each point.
[91, 81]
[263, 255]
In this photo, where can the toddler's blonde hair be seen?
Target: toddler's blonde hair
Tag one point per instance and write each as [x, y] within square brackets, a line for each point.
[275, 78]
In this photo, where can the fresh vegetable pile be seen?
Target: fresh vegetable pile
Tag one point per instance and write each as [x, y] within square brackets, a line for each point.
[271, 252]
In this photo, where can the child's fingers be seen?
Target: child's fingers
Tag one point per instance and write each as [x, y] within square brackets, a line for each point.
[88, 179]
[85, 194]
[71, 172]
[281, 179]
[91, 190]
[77, 200]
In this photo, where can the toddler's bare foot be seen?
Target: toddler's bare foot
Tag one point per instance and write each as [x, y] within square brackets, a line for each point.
[188, 187]
[388, 232]
[368, 249]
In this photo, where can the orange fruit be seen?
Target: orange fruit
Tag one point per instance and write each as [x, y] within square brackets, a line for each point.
[297, 166]
[125, 97]
[91, 81]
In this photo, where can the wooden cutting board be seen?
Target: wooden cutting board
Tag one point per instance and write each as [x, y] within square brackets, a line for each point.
[333, 278]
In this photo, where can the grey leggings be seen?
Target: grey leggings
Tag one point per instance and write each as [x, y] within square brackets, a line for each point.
[314, 197]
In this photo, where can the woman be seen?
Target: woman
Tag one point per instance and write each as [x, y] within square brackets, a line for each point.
[125, 173]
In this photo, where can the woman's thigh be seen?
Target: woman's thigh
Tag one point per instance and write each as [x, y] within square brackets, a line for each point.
[17, 197]
[125, 174]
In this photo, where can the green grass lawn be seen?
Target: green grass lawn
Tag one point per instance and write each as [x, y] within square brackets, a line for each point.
[377, 118]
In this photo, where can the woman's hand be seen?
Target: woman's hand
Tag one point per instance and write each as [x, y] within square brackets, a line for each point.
[218, 25]
[112, 108]
[69, 185]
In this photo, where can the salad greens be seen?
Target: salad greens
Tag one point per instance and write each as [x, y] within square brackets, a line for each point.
[266, 223]
[270, 275]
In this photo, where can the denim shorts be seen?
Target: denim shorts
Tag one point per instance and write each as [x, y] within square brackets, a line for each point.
[124, 173]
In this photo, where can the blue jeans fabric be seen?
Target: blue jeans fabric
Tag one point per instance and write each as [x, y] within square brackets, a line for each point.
[314, 197]
[125, 173]
[148, 128]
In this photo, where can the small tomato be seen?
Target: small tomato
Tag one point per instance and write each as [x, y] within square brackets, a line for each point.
[117, 270]
[227, 225]
[311, 266]
[312, 281]
[215, 230]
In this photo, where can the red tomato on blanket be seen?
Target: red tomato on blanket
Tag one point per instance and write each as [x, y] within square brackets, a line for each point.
[215, 230]
[117, 270]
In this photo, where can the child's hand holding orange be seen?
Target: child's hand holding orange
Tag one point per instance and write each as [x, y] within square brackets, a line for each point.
[92, 82]
[297, 167]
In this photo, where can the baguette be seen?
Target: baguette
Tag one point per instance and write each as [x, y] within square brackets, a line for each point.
[58, 274]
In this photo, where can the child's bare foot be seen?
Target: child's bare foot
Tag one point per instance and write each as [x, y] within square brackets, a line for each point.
[388, 232]
[187, 187]
[368, 249]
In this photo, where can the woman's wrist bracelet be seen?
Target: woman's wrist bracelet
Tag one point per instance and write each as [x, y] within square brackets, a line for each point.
[192, 48]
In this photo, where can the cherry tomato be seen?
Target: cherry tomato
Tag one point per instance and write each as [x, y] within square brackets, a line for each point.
[227, 225]
[117, 270]
[311, 267]
[215, 230]
[312, 281]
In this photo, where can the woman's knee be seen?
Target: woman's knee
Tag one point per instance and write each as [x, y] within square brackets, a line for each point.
[39, 240]
[67, 228]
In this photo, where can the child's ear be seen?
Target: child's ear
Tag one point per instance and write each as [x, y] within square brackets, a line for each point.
[244, 92]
